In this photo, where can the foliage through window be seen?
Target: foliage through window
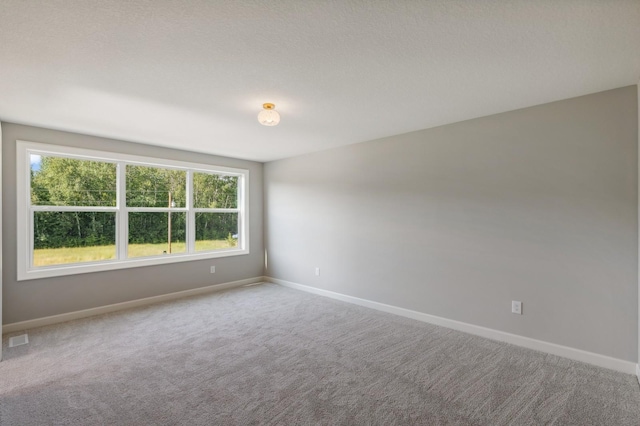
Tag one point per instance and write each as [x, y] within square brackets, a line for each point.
[87, 210]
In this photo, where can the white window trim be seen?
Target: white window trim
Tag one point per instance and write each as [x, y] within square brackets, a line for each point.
[25, 218]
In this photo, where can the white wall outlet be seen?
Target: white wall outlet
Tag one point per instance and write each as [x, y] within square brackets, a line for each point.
[516, 307]
[213, 269]
[317, 271]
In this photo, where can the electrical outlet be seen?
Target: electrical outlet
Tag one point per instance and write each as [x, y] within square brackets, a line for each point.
[317, 271]
[213, 269]
[516, 307]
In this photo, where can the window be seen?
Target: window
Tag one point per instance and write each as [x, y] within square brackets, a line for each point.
[84, 211]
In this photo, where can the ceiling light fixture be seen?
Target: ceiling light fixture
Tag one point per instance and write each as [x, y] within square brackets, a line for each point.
[269, 116]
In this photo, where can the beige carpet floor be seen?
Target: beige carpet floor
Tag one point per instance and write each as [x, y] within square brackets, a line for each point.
[271, 355]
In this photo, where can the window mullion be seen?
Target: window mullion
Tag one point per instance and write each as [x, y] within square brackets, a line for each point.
[191, 215]
[208, 210]
[122, 215]
[73, 209]
[155, 209]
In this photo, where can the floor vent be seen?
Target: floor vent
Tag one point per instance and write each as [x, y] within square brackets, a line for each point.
[252, 284]
[23, 339]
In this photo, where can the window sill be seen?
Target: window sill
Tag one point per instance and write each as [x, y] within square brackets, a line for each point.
[112, 265]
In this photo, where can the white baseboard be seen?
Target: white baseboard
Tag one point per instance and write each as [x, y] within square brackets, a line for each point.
[55, 319]
[514, 339]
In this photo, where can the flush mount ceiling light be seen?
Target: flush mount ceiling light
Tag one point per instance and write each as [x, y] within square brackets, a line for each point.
[269, 116]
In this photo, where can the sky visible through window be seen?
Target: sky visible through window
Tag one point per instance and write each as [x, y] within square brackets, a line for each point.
[36, 160]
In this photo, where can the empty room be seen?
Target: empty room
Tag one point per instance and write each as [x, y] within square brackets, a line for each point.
[311, 212]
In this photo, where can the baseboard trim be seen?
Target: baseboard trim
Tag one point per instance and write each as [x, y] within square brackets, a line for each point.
[514, 339]
[69, 316]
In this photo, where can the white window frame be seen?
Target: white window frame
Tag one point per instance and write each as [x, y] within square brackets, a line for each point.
[26, 211]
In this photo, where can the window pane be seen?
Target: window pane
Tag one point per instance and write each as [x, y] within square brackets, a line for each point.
[58, 181]
[155, 187]
[73, 237]
[216, 231]
[149, 234]
[215, 191]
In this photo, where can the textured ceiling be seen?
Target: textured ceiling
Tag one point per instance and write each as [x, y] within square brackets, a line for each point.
[193, 74]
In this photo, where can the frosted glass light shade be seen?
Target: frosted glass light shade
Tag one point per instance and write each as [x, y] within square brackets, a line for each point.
[269, 116]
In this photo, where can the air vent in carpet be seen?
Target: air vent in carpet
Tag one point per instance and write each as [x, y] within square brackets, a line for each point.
[23, 339]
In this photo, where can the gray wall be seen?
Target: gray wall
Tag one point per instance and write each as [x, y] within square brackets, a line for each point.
[538, 205]
[43, 297]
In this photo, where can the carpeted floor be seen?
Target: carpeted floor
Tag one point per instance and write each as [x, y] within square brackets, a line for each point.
[271, 355]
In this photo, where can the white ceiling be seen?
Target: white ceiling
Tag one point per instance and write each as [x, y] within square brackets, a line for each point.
[193, 74]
